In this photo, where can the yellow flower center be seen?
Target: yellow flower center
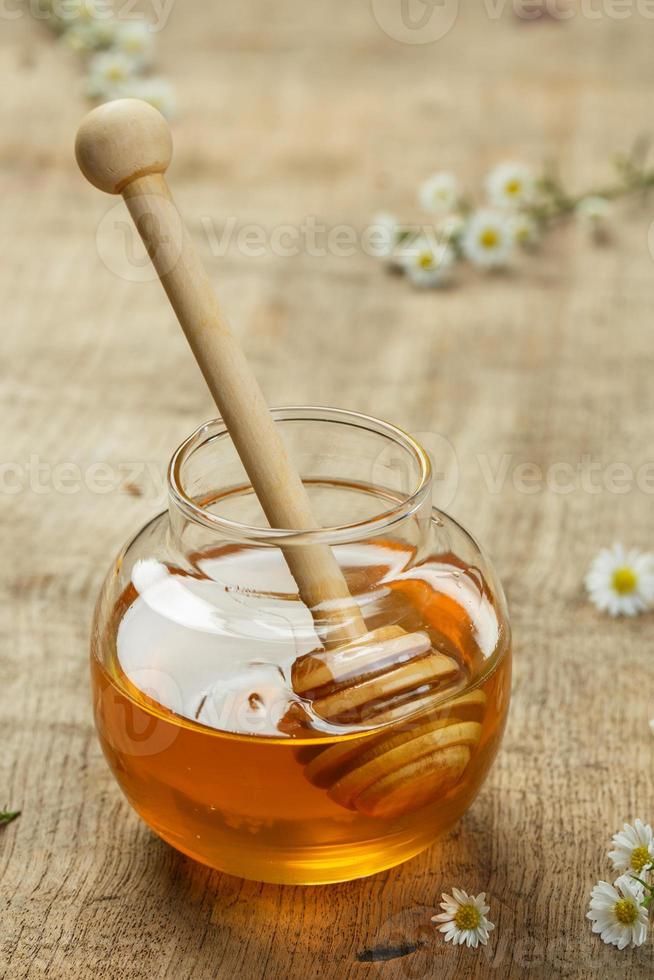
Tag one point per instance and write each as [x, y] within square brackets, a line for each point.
[513, 187]
[640, 856]
[426, 260]
[625, 580]
[489, 238]
[468, 917]
[625, 911]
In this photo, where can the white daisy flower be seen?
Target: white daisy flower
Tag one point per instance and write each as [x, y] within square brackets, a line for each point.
[634, 848]
[617, 912]
[157, 91]
[135, 39]
[90, 36]
[464, 918]
[621, 582]
[439, 193]
[510, 185]
[108, 71]
[594, 210]
[524, 230]
[427, 262]
[488, 240]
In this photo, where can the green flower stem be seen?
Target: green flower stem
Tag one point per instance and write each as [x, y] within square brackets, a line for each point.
[6, 816]
[647, 901]
[559, 204]
[650, 888]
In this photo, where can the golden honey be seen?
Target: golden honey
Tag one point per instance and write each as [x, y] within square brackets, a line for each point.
[291, 797]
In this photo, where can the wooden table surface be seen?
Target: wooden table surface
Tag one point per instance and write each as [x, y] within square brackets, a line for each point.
[287, 111]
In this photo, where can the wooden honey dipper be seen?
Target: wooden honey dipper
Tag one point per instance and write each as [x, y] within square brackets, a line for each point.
[125, 147]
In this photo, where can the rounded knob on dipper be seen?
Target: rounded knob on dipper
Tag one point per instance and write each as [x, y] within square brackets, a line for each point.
[122, 140]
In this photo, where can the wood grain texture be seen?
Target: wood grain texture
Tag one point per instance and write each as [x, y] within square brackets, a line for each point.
[290, 110]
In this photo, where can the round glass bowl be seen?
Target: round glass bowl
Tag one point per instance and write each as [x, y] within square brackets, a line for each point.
[234, 728]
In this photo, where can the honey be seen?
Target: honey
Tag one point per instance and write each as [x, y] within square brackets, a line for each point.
[213, 746]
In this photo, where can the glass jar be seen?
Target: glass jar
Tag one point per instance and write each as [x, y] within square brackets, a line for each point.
[213, 696]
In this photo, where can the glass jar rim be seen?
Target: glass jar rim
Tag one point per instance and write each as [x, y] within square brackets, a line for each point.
[338, 534]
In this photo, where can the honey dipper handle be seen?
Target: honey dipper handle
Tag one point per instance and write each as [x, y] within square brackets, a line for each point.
[124, 147]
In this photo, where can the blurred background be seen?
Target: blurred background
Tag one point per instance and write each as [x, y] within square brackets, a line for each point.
[296, 114]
